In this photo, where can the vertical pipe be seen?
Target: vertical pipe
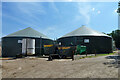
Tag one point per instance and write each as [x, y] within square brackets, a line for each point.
[75, 40]
[26, 47]
[40, 44]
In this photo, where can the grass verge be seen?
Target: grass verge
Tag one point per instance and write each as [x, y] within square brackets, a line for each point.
[97, 55]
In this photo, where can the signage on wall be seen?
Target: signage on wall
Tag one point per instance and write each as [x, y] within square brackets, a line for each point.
[19, 41]
[86, 40]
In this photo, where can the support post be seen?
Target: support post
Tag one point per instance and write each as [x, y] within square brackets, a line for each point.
[86, 53]
[95, 52]
[72, 55]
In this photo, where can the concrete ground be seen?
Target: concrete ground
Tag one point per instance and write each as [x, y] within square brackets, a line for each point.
[97, 67]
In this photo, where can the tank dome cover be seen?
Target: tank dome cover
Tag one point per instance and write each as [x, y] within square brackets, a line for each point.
[85, 31]
[28, 32]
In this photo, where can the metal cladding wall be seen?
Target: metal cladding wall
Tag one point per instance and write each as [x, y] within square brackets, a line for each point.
[98, 44]
[11, 47]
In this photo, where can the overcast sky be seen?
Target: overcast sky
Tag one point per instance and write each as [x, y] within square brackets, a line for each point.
[55, 19]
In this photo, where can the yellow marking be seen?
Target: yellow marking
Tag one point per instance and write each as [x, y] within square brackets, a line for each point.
[6, 58]
[63, 47]
[48, 45]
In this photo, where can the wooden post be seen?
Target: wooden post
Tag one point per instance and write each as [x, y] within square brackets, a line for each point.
[72, 55]
[86, 53]
[95, 52]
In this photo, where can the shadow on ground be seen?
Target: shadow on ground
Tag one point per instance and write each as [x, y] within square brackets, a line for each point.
[114, 62]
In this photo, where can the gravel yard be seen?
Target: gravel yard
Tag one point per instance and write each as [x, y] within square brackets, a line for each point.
[97, 67]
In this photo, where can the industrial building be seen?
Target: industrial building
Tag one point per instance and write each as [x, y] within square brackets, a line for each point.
[27, 41]
[95, 42]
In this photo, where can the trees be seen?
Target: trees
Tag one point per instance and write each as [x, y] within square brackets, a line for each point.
[116, 37]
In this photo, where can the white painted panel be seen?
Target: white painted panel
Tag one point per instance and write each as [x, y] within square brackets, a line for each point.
[23, 46]
[86, 40]
[30, 46]
[19, 41]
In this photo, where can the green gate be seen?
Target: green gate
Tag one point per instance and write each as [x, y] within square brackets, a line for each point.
[80, 49]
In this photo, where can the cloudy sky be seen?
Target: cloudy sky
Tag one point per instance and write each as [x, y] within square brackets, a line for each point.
[55, 19]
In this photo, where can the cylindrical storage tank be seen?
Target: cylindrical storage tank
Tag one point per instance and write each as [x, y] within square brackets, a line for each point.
[30, 46]
[95, 42]
[26, 41]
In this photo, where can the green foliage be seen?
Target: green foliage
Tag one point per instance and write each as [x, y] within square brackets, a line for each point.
[116, 37]
[105, 54]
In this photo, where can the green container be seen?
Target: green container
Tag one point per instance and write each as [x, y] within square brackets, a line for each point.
[80, 49]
